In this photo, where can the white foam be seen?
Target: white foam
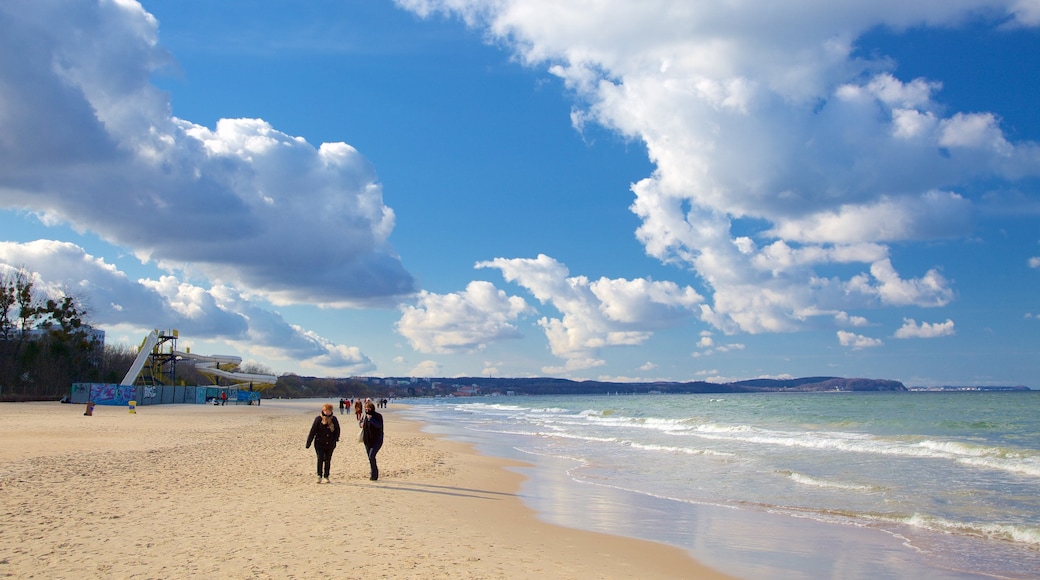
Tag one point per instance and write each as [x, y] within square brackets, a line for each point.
[826, 484]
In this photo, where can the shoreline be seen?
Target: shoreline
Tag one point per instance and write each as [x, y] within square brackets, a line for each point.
[227, 491]
[744, 541]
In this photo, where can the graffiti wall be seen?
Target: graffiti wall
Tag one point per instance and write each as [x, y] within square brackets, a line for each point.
[113, 394]
[103, 393]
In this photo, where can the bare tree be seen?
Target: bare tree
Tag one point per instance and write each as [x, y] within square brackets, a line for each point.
[7, 302]
[45, 344]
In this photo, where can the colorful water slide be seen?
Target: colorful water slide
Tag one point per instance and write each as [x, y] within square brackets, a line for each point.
[142, 358]
[211, 365]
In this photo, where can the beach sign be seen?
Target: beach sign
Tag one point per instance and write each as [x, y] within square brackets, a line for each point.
[133, 407]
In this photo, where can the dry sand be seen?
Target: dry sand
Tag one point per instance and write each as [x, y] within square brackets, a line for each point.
[228, 492]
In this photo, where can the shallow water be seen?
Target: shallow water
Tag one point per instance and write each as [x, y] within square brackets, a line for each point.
[850, 485]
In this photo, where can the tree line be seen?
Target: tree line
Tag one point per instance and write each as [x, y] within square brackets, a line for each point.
[46, 343]
[291, 386]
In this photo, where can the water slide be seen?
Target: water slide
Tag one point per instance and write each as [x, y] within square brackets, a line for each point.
[207, 365]
[142, 358]
[210, 365]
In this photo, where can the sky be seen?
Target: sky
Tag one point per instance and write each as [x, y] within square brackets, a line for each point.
[613, 190]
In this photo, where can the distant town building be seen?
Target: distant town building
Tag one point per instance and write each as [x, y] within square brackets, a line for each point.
[469, 391]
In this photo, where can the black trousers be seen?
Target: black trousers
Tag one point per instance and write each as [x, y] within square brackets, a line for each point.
[324, 459]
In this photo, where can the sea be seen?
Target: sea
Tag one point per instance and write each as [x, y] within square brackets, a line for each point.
[781, 485]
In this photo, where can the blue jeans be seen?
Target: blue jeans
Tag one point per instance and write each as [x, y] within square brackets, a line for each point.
[371, 451]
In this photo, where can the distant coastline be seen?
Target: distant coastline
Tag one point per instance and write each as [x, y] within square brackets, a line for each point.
[295, 386]
[948, 388]
[479, 386]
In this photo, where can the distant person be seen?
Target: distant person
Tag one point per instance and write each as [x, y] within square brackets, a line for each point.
[223, 398]
[342, 405]
[372, 436]
[357, 409]
[324, 434]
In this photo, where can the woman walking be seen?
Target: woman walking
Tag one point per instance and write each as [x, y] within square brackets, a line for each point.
[372, 436]
[324, 434]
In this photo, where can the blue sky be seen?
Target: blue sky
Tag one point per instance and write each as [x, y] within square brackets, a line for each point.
[665, 190]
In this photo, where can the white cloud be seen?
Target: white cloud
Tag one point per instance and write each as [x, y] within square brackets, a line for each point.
[572, 365]
[461, 322]
[976, 131]
[886, 287]
[709, 346]
[598, 313]
[845, 319]
[884, 219]
[317, 352]
[219, 313]
[929, 290]
[857, 341]
[427, 368]
[89, 141]
[911, 329]
[1034, 262]
[757, 110]
[490, 369]
[1027, 12]
[729, 347]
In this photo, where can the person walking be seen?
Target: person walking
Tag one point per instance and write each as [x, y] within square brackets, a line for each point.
[372, 436]
[324, 435]
[357, 409]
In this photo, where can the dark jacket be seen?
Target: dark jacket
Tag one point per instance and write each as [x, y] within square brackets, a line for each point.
[320, 434]
[372, 428]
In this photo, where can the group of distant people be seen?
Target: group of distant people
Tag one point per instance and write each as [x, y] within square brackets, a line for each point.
[346, 404]
[325, 433]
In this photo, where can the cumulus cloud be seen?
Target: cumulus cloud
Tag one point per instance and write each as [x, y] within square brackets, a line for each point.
[596, 313]
[426, 368]
[911, 329]
[708, 346]
[490, 369]
[930, 290]
[218, 313]
[1034, 262]
[757, 112]
[857, 341]
[932, 215]
[461, 322]
[89, 141]
[846, 319]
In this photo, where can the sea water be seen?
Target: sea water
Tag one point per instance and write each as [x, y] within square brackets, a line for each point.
[779, 485]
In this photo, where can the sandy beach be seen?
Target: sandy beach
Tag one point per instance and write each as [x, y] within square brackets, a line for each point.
[228, 491]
